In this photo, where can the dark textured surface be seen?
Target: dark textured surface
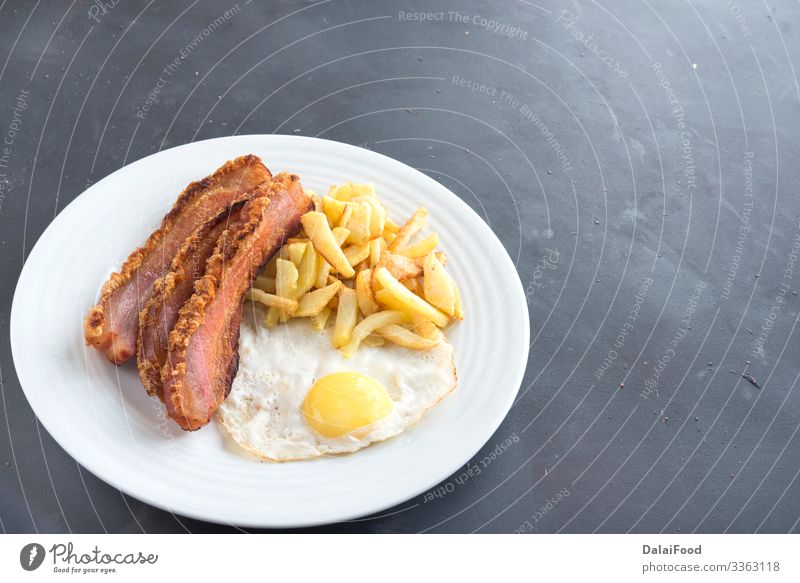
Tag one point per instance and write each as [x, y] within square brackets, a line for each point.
[683, 174]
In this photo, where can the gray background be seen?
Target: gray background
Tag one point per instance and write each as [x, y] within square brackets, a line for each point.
[640, 140]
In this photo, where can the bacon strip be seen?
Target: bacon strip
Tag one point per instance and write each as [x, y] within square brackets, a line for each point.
[203, 346]
[170, 292]
[112, 325]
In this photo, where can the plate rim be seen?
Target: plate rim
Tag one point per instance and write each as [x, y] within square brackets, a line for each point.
[211, 515]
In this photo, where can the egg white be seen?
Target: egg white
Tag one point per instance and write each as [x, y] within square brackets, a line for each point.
[278, 366]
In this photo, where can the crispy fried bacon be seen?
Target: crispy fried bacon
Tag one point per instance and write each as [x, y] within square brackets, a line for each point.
[112, 325]
[170, 292]
[203, 354]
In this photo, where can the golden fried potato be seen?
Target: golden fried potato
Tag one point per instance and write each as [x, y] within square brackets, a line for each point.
[377, 217]
[368, 325]
[324, 270]
[356, 253]
[388, 238]
[374, 340]
[422, 247]
[346, 317]
[425, 328]
[350, 259]
[349, 190]
[307, 271]
[318, 230]
[333, 209]
[313, 302]
[292, 252]
[411, 228]
[286, 279]
[376, 248]
[359, 223]
[340, 235]
[407, 299]
[405, 337]
[289, 306]
[438, 287]
[346, 216]
[364, 295]
[390, 226]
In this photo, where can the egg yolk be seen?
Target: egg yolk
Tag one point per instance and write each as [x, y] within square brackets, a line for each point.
[341, 402]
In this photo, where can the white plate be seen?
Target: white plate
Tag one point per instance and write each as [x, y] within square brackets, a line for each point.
[101, 415]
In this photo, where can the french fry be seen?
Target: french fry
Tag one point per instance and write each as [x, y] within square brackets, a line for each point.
[346, 216]
[376, 247]
[425, 328]
[410, 301]
[411, 228]
[270, 300]
[400, 266]
[313, 302]
[364, 295]
[377, 218]
[417, 323]
[348, 191]
[293, 252]
[286, 279]
[390, 302]
[422, 247]
[368, 325]
[389, 237]
[356, 253]
[265, 283]
[359, 223]
[390, 225]
[333, 209]
[317, 229]
[405, 337]
[340, 235]
[318, 322]
[438, 287]
[324, 270]
[374, 340]
[306, 271]
[346, 316]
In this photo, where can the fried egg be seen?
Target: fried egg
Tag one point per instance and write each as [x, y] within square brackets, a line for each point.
[295, 397]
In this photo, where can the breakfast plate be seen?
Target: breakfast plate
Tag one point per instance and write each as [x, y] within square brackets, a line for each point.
[103, 418]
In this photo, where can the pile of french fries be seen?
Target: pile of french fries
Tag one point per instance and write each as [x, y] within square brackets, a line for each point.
[382, 281]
